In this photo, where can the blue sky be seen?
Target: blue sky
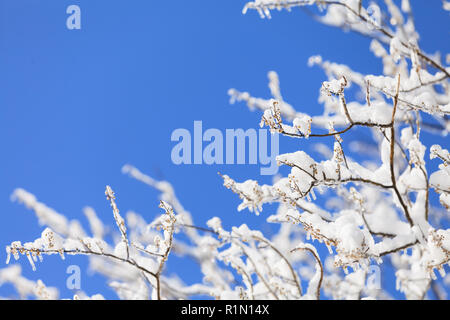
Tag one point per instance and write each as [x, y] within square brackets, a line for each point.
[76, 105]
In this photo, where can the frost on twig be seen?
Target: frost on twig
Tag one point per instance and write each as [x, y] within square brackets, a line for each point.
[123, 249]
[383, 207]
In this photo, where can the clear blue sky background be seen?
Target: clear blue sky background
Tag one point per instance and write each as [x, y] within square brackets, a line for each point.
[77, 105]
